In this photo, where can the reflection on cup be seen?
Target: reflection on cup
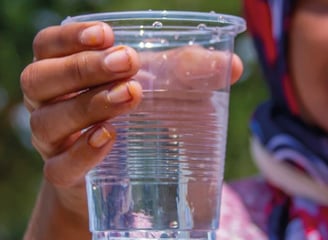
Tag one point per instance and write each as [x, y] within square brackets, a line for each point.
[163, 177]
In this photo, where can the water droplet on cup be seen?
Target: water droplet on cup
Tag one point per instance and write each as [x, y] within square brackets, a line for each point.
[157, 24]
[221, 18]
[202, 26]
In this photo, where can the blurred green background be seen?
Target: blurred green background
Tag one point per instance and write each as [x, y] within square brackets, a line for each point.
[20, 165]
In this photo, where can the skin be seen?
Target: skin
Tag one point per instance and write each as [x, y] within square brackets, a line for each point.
[309, 42]
[308, 63]
[71, 86]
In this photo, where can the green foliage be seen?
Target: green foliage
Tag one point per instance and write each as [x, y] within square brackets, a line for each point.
[20, 166]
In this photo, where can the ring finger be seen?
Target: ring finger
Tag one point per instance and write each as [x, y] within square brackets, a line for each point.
[53, 123]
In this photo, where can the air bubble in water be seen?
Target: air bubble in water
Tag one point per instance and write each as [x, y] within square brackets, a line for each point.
[191, 42]
[157, 24]
[174, 224]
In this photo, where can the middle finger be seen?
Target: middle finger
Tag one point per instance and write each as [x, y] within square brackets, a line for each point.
[51, 78]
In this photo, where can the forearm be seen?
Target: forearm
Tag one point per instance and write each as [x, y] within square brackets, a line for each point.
[51, 221]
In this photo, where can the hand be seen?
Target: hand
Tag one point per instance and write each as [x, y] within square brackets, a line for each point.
[77, 82]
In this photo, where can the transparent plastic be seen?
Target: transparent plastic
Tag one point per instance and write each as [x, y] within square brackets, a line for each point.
[163, 177]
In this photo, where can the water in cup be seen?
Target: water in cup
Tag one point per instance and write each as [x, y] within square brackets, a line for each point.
[163, 177]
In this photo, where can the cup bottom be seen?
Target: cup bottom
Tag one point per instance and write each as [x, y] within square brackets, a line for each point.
[148, 235]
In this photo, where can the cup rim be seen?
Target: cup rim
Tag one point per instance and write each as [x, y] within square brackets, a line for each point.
[225, 22]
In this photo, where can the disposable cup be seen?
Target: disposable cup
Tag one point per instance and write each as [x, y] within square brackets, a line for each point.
[163, 177]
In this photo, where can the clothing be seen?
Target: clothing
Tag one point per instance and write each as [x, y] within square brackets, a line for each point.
[242, 208]
[276, 123]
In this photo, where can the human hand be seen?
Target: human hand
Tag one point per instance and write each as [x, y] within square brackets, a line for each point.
[77, 81]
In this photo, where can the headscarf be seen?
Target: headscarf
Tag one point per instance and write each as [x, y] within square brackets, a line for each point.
[278, 126]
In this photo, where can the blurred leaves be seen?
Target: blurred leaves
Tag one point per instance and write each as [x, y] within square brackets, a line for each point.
[20, 165]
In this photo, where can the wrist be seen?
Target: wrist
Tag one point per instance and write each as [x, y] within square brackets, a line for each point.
[53, 220]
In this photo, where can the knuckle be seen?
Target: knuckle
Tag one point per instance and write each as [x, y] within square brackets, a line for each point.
[26, 80]
[46, 151]
[40, 128]
[37, 42]
[35, 144]
[35, 122]
[79, 67]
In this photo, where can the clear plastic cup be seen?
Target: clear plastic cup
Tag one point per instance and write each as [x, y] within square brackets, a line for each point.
[163, 177]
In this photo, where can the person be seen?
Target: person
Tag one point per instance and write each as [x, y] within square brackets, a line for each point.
[289, 130]
[77, 81]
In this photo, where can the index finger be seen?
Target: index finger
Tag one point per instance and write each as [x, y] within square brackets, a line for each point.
[58, 41]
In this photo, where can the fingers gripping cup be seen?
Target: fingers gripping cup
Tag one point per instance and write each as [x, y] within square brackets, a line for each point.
[163, 177]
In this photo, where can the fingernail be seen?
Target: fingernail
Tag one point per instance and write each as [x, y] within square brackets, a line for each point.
[100, 138]
[118, 61]
[92, 36]
[119, 94]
